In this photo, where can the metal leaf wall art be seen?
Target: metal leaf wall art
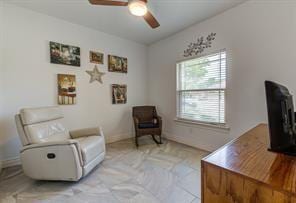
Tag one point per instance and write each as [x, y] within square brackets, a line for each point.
[201, 44]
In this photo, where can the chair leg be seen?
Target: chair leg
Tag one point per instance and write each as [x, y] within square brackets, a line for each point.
[155, 140]
[136, 140]
[160, 139]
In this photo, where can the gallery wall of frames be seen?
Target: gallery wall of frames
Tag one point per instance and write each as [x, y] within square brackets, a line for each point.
[31, 65]
[66, 83]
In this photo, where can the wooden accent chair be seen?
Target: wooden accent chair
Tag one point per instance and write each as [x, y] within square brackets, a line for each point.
[147, 122]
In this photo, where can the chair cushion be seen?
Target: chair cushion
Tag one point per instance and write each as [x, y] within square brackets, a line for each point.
[46, 132]
[91, 147]
[148, 125]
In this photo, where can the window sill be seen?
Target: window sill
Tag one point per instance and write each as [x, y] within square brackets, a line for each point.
[208, 125]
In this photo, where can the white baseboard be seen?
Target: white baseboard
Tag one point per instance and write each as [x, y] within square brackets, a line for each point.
[11, 162]
[188, 141]
[118, 137]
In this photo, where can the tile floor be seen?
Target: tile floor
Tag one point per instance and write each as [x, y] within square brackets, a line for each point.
[167, 173]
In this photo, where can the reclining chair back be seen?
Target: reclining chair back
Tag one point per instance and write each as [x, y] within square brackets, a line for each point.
[41, 125]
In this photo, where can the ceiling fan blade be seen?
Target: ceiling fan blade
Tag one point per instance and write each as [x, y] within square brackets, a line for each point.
[151, 20]
[108, 2]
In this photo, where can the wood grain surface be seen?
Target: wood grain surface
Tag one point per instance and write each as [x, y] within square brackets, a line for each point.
[245, 171]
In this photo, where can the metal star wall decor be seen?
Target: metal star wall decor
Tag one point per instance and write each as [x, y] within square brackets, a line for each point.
[199, 46]
[95, 75]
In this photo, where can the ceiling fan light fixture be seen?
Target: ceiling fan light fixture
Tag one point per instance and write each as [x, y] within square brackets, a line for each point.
[137, 7]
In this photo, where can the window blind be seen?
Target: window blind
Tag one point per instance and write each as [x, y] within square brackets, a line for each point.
[201, 85]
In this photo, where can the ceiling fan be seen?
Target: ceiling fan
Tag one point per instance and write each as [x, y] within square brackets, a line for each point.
[136, 7]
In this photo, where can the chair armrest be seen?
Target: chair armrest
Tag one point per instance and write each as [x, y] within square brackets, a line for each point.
[57, 160]
[54, 143]
[136, 121]
[86, 132]
[159, 120]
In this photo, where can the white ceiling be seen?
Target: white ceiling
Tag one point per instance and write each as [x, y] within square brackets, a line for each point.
[173, 15]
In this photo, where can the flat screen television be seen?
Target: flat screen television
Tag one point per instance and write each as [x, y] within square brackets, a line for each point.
[281, 118]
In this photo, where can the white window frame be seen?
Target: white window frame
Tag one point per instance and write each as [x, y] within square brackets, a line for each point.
[178, 94]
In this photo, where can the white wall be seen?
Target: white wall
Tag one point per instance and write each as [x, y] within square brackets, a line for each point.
[260, 39]
[30, 79]
[1, 73]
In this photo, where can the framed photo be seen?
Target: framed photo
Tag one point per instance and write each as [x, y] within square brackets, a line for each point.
[119, 94]
[96, 57]
[66, 89]
[64, 54]
[117, 64]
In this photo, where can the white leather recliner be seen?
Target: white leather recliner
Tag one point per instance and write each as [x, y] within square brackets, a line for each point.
[51, 152]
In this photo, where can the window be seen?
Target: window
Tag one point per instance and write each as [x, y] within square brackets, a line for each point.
[201, 85]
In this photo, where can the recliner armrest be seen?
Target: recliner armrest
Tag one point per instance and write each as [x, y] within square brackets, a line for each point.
[54, 143]
[86, 132]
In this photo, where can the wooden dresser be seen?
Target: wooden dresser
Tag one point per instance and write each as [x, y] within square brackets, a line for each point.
[244, 171]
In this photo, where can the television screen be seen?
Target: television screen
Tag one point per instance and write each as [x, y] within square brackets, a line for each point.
[281, 118]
